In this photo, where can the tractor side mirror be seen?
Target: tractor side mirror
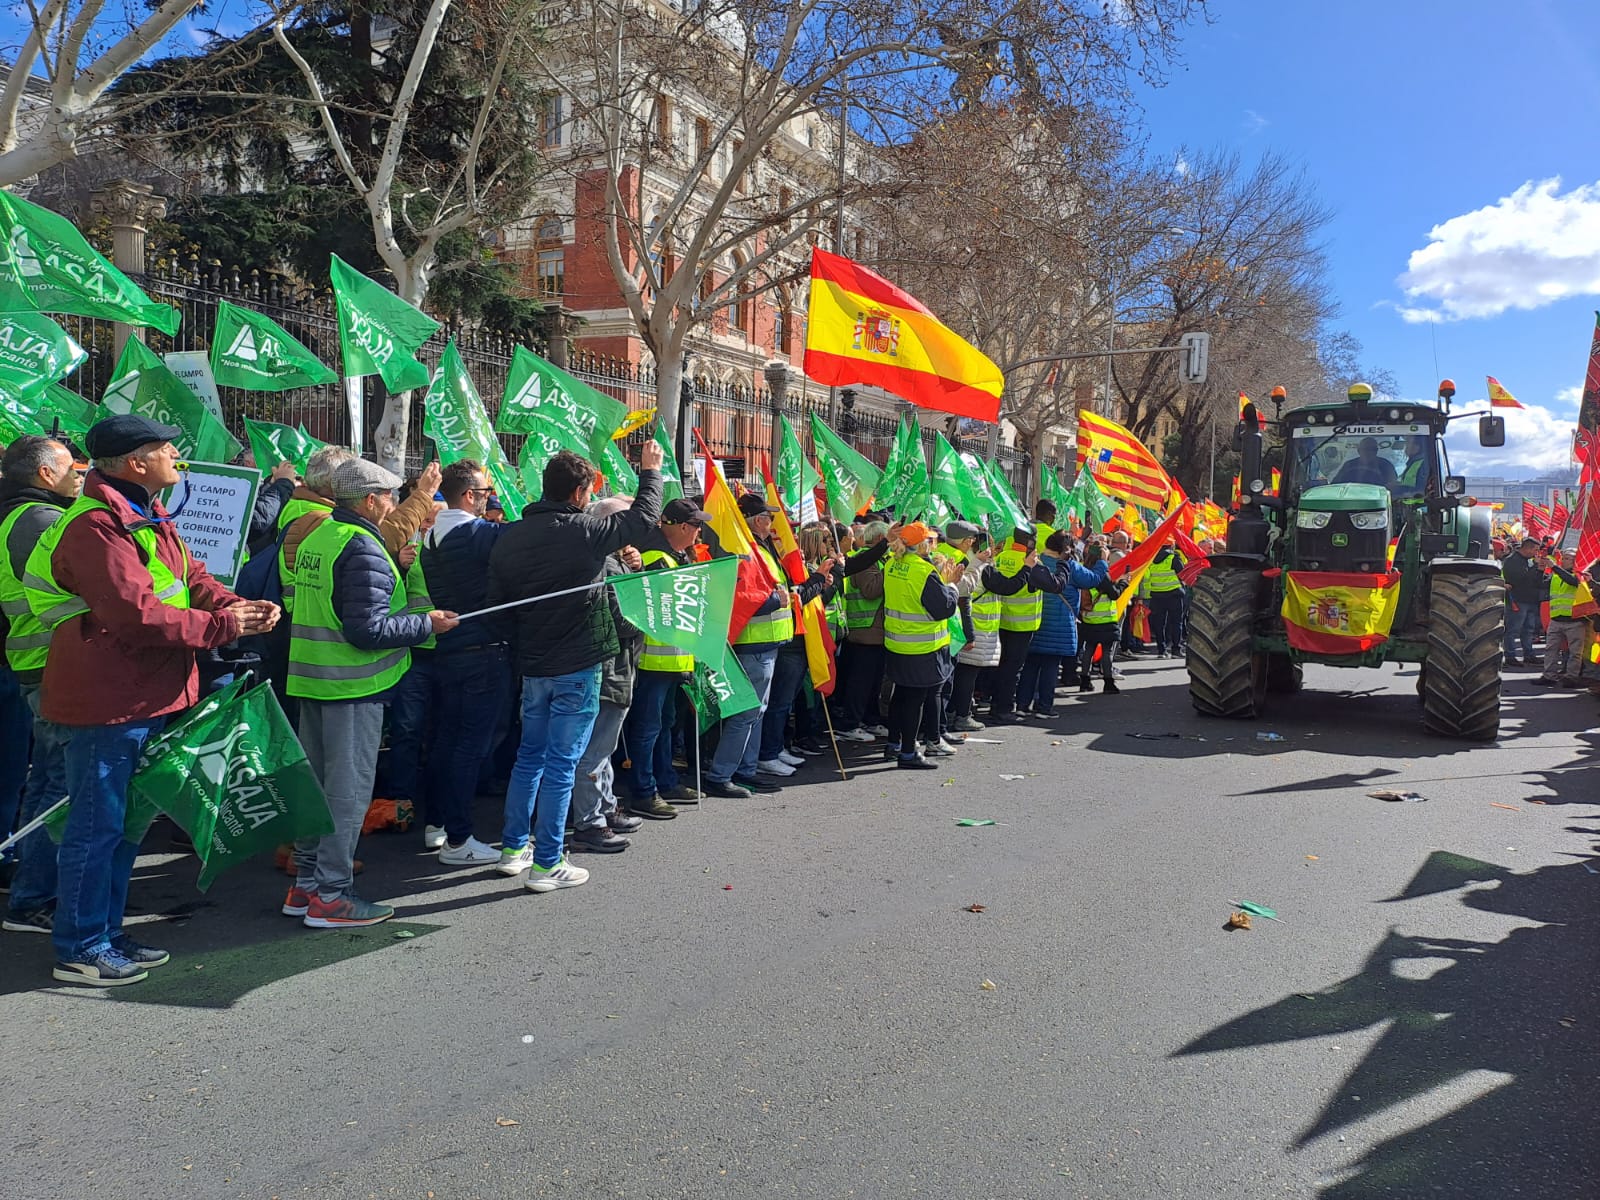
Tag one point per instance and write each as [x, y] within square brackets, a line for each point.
[1491, 430]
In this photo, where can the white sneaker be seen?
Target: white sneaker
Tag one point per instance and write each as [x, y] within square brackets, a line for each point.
[471, 853]
[876, 730]
[774, 766]
[433, 836]
[562, 875]
[794, 760]
[853, 735]
[515, 862]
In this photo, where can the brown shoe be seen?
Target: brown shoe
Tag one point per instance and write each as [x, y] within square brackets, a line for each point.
[655, 809]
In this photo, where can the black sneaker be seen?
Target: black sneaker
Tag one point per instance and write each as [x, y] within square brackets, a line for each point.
[754, 784]
[682, 794]
[621, 822]
[726, 791]
[39, 920]
[1513, 662]
[654, 809]
[599, 841]
[139, 954]
[1086, 686]
[106, 969]
[914, 763]
[1111, 688]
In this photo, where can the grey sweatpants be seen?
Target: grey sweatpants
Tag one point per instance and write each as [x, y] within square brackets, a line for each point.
[594, 797]
[341, 742]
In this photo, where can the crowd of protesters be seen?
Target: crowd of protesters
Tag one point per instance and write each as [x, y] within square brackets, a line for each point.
[351, 605]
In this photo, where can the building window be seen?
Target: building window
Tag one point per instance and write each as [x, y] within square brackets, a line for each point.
[739, 307]
[702, 141]
[739, 184]
[551, 269]
[550, 118]
[663, 124]
[783, 331]
[861, 245]
[785, 199]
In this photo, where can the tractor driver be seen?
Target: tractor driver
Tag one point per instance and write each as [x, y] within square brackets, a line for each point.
[1367, 467]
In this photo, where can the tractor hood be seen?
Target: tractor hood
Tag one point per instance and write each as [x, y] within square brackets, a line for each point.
[1344, 497]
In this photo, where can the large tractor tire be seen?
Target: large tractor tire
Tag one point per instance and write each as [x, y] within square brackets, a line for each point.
[1461, 679]
[1226, 677]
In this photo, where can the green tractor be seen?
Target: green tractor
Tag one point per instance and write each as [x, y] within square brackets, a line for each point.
[1363, 511]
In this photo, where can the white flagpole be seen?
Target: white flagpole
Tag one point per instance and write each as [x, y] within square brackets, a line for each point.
[33, 824]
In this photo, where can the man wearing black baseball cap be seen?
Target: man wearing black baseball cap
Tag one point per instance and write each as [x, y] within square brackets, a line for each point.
[127, 605]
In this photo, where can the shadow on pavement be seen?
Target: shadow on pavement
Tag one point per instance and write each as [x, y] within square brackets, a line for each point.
[1523, 1007]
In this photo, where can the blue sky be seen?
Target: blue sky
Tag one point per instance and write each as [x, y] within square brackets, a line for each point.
[1457, 146]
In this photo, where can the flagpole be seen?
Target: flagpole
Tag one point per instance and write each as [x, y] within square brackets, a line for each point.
[482, 612]
[36, 823]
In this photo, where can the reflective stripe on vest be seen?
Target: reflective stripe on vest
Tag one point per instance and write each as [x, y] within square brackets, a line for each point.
[418, 602]
[661, 656]
[983, 604]
[1024, 611]
[775, 626]
[1161, 576]
[907, 627]
[1561, 596]
[323, 665]
[52, 604]
[1102, 612]
[27, 641]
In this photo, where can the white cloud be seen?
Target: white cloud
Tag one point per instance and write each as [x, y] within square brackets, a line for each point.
[1181, 167]
[1538, 440]
[1254, 122]
[1526, 250]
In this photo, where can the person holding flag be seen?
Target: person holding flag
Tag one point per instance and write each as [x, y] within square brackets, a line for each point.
[127, 606]
[919, 598]
[1098, 611]
[1563, 637]
[1021, 582]
[647, 734]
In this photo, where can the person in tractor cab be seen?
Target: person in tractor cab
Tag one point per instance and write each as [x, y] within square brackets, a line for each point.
[1368, 467]
[1418, 471]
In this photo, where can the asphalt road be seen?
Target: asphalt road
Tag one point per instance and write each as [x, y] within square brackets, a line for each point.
[1421, 1020]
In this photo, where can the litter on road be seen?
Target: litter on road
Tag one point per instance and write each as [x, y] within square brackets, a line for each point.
[1256, 910]
[1394, 797]
[970, 821]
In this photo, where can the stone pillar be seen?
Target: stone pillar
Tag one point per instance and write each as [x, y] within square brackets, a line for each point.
[131, 207]
[557, 325]
[777, 376]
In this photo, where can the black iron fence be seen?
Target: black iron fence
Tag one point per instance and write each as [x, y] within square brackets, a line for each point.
[735, 419]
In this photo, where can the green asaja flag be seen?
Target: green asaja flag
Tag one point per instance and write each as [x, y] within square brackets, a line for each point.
[47, 266]
[35, 351]
[454, 417]
[539, 392]
[254, 352]
[1088, 503]
[792, 473]
[1051, 489]
[379, 333]
[934, 511]
[849, 478]
[621, 478]
[671, 474]
[143, 383]
[543, 441]
[32, 412]
[272, 444]
[683, 606]
[1004, 495]
[234, 777]
[719, 689]
[954, 482]
[905, 475]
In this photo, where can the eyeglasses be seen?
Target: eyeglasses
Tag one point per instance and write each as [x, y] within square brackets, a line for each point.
[483, 491]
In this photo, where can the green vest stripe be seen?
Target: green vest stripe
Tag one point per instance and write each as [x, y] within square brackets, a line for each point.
[907, 628]
[323, 665]
[27, 640]
[775, 626]
[1562, 595]
[1102, 612]
[1161, 576]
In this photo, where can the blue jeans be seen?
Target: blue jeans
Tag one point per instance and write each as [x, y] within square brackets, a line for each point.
[408, 732]
[1522, 621]
[648, 733]
[15, 725]
[95, 861]
[787, 674]
[1037, 687]
[558, 714]
[741, 733]
[34, 886]
[470, 689]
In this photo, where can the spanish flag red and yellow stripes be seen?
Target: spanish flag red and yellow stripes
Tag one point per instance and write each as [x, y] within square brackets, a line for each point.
[863, 329]
[1120, 463]
[794, 563]
[820, 649]
[1338, 612]
[733, 534]
[1499, 397]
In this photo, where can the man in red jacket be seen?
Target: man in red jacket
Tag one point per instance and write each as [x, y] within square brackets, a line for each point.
[128, 606]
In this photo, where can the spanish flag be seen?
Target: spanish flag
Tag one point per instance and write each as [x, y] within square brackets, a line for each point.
[863, 329]
[1338, 612]
[794, 563]
[1244, 408]
[1499, 397]
[1120, 463]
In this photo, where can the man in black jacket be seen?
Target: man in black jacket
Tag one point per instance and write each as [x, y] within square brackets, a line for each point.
[560, 646]
[1526, 589]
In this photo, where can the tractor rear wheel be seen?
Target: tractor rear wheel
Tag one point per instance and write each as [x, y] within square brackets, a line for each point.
[1226, 677]
[1461, 678]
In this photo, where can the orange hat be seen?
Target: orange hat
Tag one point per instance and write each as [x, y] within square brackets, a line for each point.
[914, 534]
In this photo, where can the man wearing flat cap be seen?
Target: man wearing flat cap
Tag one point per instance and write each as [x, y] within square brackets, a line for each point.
[349, 645]
[127, 606]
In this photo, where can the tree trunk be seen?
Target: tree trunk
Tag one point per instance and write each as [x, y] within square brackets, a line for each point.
[394, 430]
[669, 384]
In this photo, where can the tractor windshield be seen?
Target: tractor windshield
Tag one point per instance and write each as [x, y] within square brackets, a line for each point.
[1398, 457]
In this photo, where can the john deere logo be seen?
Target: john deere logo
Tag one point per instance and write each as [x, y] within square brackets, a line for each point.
[1341, 539]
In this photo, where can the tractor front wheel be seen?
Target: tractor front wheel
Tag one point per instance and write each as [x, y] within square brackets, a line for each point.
[1226, 677]
[1461, 679]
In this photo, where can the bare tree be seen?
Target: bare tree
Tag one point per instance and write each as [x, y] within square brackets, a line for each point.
[72, 52]
[715, 130]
